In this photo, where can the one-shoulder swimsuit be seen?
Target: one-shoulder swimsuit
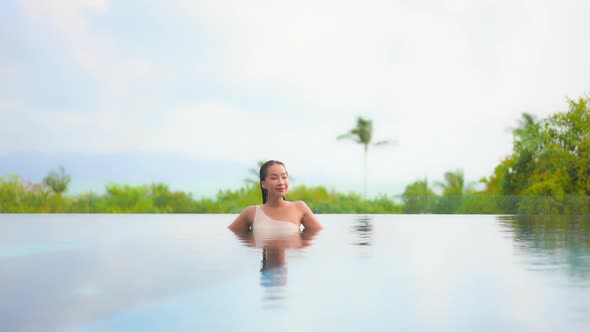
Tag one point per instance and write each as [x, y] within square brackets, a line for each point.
[262, 222]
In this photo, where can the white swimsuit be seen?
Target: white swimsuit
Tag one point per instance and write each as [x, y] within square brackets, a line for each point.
[263, 223]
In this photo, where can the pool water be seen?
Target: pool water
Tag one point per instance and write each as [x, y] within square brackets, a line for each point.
[361, 273]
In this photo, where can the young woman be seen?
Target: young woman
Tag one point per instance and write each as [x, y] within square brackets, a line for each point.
[276, 214]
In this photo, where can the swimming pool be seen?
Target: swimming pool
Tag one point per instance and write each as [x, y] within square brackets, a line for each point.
[362, 273]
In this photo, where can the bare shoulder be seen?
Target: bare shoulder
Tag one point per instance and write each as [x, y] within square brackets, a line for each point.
[244, 219]
[301, 205]
[250, 211]
[308, 219]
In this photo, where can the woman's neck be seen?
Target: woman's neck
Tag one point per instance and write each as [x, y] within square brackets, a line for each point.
[275, 201]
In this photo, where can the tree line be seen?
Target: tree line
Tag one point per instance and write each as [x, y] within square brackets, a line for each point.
[548, 172]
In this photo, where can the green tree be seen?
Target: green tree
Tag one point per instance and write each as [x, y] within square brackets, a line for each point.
[17, 196]
[129, 199]
[550, 163]
[454, 183]
[418, 197]
[362, 134]
[58, 180]
[170, 201]
[453, 188]
[528, 147]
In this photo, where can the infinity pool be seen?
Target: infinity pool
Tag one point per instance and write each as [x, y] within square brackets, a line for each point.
[361, 273]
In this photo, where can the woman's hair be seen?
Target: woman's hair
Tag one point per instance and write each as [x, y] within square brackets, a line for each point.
[264, 173]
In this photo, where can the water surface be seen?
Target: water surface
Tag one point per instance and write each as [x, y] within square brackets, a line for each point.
[369, 273]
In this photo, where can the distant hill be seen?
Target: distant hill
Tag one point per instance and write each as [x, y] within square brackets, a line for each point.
[92, 172]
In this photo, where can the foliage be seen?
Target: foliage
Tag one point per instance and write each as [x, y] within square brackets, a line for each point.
[418, 198]
[551, 158]
[478, 203]
[454, 194]
[17, 196]
[321, 200]
[58, 180]
[547, 173]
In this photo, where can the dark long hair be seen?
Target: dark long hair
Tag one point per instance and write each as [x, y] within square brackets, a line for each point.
[264, 173]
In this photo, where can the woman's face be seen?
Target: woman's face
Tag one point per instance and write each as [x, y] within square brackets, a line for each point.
[277, 180]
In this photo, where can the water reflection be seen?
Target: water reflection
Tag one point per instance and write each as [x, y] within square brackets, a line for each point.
[363, 229]
[553, 243]
[273, 270]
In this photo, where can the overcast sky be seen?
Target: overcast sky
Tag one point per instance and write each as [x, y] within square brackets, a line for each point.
[251, 80]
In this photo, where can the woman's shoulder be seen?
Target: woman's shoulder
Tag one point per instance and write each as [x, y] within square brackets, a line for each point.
[301, 205]
[249, 211]
[244, 220]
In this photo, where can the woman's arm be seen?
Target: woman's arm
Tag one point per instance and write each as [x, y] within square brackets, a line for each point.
[244, 221]
[309, 221]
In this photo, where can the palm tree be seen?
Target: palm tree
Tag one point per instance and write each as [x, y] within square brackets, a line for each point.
[363, 134]
[454, 184]
[453, 189]
[254, 172]
[526, 135]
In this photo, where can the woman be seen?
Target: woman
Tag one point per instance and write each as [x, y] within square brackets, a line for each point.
[276, 214]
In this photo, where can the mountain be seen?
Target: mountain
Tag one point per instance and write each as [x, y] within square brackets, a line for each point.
[203, 178]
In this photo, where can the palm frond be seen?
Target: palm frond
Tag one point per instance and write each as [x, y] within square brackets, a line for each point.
[348, 135]
[386, 142]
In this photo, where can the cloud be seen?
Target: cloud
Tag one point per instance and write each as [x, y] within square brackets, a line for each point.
[254, 80]
[71, 19]
[6, 106]
[95, 50]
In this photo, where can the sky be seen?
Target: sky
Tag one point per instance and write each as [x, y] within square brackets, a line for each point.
[254, 80]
